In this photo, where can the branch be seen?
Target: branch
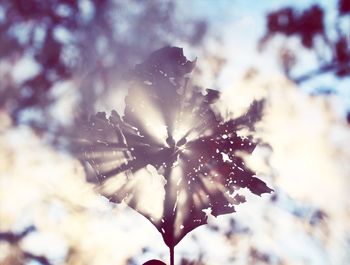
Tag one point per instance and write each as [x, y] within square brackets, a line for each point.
[13, 238]
[322, 70]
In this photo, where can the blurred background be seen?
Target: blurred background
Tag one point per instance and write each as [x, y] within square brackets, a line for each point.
[63, 60]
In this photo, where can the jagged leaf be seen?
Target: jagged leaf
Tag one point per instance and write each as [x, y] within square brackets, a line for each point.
[170, 157]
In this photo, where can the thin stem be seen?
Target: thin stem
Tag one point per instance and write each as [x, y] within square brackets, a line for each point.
[171, 249]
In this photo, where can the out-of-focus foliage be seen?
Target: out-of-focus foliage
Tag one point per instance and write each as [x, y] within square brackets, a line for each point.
[90, 43]
[328, 42]
[306, 157]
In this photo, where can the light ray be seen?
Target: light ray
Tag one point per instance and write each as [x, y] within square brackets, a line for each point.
[148, 115]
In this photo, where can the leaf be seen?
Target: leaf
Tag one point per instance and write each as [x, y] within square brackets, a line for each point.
[170, 157]
[154, 262]
[307, 24]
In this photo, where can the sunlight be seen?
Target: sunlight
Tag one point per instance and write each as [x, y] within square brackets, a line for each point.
[148, 115]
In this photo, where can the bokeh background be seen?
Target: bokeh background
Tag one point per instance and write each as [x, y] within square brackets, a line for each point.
[63, 60]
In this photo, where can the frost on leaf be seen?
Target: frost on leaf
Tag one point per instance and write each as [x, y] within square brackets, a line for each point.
[170, 157]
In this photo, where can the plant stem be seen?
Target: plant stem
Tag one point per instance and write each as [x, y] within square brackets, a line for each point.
[171, 249]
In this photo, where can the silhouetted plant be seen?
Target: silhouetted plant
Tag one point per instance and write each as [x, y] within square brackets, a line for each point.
[170, 135]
